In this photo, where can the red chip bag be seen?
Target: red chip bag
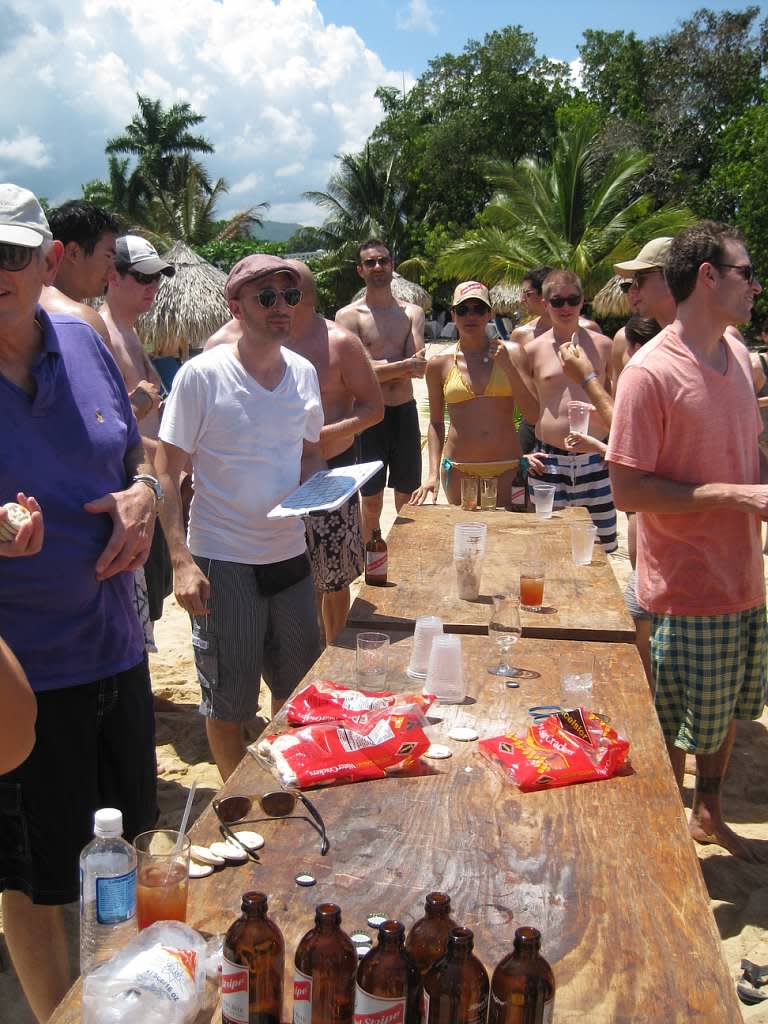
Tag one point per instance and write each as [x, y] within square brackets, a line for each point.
[572, 746]
[326, 701]
[368, 747]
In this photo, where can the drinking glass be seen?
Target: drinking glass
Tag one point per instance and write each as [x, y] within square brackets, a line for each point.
[469, 493]
[372, 652]
[504, 629]
[532, 585]
[162, 876]
[488, 494]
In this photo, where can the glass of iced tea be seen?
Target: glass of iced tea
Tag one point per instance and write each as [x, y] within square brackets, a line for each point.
[163, 876]
[532, 586]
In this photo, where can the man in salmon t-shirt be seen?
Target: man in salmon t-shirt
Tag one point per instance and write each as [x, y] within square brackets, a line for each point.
[683, 453]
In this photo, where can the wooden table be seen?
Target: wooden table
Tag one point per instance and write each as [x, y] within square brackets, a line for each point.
[581, 602]
[606, 870]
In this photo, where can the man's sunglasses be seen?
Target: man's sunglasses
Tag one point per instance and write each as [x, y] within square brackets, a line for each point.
[625, 286]
[377, 261]
[746, 270]
[144, 278]
[234, 810]
[478, 308]
[268, 296]
[15, 257]
[558, 301]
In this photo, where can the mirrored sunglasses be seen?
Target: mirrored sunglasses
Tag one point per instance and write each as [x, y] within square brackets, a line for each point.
[377, 261]
[234, 810]
[268, 296]
[558, 301]
[478, 308]
[15, 257]
[144, 278]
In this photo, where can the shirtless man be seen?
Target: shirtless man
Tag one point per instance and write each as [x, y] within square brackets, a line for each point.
[393, 333]
[579, 479]
[88, 234]
[352, 402]
[133, 283]
[538, 323]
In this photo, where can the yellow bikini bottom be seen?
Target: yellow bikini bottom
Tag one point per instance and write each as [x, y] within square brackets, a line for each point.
[479, 470]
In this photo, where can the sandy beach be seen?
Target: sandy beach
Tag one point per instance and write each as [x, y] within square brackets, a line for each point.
[738, 892]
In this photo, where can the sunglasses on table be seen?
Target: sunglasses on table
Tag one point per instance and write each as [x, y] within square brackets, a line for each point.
[234, 810]
[746, 270]
[15, 257]
[558, 301]
[478, 308]
[377, 261]
[144, 278]
[268, 297]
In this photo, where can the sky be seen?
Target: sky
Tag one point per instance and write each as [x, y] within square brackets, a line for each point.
[285, 85]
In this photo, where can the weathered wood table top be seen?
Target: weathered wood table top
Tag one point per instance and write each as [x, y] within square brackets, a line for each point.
[605, 870]
[581, 602]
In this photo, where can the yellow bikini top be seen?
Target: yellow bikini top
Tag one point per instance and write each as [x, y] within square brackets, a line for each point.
[456, 389]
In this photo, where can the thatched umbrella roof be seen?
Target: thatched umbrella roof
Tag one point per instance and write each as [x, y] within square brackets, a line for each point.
[189, 306]
[611, 300]
[406, 291]
[507, 298]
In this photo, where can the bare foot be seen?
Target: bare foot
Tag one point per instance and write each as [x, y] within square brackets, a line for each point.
[754, 851]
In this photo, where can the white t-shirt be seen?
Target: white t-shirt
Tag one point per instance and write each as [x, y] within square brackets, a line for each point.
[246, 444]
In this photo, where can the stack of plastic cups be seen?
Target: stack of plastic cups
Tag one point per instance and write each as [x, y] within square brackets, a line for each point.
[427, 628]
[468, 552]
[445, 674]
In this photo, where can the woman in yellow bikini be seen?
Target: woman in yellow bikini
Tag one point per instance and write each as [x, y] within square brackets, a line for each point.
[479, 383]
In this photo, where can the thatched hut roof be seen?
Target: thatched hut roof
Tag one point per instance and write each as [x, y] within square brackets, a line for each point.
[611, 300]
[507, 298]
[189, 306]
[406, 291]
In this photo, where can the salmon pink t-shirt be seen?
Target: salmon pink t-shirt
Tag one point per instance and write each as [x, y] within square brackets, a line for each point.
[685, 421]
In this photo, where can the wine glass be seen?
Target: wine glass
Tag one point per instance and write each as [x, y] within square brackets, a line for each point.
[505, 630]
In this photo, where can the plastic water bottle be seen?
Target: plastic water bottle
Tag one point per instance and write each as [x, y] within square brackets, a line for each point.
[107, 891]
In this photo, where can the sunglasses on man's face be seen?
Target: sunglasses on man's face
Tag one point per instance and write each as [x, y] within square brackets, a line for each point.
[15, 257]
[144, 278]
[476, 308]
[377, 261]
[234, 810]
[746, 270]
[558, 301]
[268, 297]
[625, 286]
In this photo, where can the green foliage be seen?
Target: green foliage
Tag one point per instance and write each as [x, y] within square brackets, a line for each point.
[306, 239]
[225, 253]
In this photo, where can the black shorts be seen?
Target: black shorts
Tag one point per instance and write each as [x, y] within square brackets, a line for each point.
[397, 442]
[95, 747]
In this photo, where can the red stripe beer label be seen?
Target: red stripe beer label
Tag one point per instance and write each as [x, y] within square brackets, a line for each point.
[302, 998]
[374, 1010]
[234, 993]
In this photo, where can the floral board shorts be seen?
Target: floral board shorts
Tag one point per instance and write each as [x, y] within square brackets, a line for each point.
[709, 669]
[335, 545]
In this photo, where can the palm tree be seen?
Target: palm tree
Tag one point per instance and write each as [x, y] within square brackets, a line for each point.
[572, 212]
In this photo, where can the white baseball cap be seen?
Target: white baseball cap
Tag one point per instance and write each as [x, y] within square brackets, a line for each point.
[132, 252]
[22, 221]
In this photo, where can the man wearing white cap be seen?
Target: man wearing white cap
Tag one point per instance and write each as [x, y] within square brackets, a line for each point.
[66, 605]
[248, 413]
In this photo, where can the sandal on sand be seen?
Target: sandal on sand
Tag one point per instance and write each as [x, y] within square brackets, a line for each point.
[749, 988]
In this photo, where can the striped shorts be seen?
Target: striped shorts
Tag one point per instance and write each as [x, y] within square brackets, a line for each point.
[248, 634]
[709, 669]
[582, 480]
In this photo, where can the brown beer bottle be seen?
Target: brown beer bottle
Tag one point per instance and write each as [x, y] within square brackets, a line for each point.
[325, 972]
[388, 983]
[252, 966]
[456, 987]
[428, 939]
[376, 560]
[523, 985]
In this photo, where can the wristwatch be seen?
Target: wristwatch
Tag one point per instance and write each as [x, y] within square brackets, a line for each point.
[154, 485]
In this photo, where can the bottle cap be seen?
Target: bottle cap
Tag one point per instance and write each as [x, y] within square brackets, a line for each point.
[108, 822]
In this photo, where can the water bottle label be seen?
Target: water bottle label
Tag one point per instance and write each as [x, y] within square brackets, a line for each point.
[116, 898]
[234, 992]
[302, 998]
[375, 1010]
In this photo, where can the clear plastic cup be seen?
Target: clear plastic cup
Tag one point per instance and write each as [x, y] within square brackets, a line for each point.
[578, 417]
[427, 628]
[372, 656]
[576, 671]
[445, 675]
[469, 493]
[469, 539]
[543, 499]
[583, 542]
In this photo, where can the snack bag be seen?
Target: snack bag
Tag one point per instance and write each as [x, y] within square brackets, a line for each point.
[572, 746]
[368, 747]
[326, 701]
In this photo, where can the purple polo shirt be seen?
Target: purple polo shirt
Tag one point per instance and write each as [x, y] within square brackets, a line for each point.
[66, 446]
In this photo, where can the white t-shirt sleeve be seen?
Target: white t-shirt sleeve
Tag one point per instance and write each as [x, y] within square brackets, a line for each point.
[314, 406]
[184, 411]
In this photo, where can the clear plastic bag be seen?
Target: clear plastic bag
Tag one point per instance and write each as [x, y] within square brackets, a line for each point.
[158, 978]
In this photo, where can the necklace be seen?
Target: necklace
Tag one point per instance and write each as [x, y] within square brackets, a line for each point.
[485, 358]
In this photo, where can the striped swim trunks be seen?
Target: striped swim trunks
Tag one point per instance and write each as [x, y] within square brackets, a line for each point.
[582, 480]
[709, 669]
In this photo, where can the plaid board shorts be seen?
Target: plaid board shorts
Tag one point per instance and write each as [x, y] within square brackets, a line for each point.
[709, 669]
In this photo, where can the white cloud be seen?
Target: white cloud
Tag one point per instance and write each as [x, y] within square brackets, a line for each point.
[281, 90]
[576, 68]
[25, 149]
[417, 17]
